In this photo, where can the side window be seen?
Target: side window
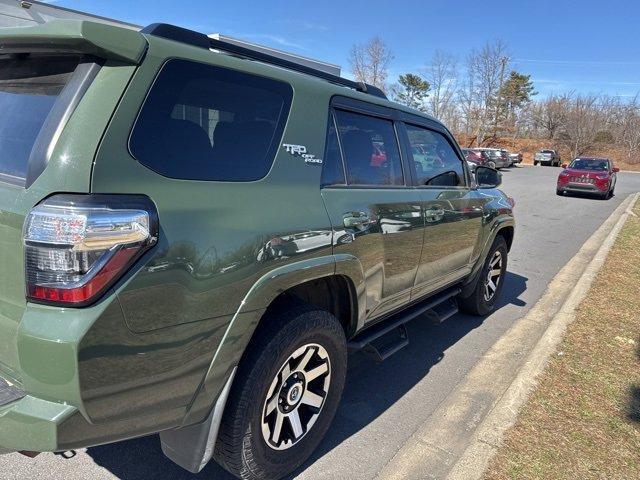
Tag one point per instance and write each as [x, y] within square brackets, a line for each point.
[433, 158]
[370, 148]
[332, 168]
[202, 122]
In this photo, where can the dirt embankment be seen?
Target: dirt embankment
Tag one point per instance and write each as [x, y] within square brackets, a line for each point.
[529, 146]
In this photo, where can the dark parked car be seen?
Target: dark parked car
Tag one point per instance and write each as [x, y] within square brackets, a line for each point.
[547, 157]
[515, 158]
[588, 175]
[489, 157]
[191, 249]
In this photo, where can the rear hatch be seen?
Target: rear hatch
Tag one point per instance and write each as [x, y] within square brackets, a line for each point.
[51, 120]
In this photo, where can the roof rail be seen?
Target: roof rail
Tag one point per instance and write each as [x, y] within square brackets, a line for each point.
[190, 37]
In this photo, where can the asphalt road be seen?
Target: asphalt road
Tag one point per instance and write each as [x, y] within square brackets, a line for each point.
[384, 404]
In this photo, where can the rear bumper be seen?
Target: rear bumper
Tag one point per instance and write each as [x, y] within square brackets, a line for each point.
[32, 424]
[86, 380]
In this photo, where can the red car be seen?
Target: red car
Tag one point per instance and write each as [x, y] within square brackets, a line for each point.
[378, 157]
[588, 175]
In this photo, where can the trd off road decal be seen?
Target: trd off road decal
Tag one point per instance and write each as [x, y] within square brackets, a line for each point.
[301, 151]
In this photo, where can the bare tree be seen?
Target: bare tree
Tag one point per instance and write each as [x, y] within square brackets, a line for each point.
[549, 115]
[630, 130]
[370, 62]
[441, 74]
[582, 122]
[485, 71]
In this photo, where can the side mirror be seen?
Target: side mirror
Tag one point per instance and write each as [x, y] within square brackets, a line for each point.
[615, 169]
[488, 177]
[564, 165]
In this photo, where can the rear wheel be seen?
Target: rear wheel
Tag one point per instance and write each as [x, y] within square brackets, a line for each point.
[535, 164]
[286, 394]
[559, 192]
[490, 282]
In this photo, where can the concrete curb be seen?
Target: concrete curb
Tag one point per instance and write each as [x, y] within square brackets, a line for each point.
[462, 434]
[473, 463]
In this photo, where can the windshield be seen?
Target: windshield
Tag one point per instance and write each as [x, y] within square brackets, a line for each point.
[549, 152]
[595, 164]
[29, 87]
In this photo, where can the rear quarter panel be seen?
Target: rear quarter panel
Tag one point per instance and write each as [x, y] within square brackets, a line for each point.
[179, 300]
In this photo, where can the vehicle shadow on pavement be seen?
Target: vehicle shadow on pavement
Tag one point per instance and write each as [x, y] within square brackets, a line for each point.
[633, 408]
[370, 390]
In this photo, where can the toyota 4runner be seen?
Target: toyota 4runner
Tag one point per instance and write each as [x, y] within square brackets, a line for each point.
[194, 234]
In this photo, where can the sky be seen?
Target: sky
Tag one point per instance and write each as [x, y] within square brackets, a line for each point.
[582, 46]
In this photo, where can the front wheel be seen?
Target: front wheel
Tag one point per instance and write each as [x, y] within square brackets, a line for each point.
[286, 394]
[482, 299]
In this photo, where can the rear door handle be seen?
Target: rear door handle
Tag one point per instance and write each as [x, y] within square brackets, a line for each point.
[356, 219]
[434, 215]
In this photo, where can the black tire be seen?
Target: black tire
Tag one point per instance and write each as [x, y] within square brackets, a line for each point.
[241, 447]
[559, 192]
[476, 303]
[535, 164]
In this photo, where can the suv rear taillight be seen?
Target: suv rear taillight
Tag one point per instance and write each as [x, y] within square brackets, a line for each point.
[77, 246]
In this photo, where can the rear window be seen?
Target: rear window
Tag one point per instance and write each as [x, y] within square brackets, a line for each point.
[370, 148]
[29, 88]
[202, 122]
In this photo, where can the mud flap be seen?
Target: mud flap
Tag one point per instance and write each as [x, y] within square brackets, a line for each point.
[192, 447]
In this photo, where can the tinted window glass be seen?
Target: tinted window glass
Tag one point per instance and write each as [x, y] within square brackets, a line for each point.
[597, 164]
[29, 87]
[202, 122]
[332, 168]
[370, 148]
[434, 160]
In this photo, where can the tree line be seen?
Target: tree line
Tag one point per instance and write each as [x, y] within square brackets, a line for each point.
[484, 98]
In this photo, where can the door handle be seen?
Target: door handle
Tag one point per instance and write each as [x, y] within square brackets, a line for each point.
[356, 219]
[434, 215]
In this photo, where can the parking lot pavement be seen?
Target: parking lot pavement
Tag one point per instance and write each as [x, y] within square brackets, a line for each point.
[384, 404]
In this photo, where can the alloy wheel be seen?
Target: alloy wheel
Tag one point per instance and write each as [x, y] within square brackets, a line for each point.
[494, 276]
[296, 397]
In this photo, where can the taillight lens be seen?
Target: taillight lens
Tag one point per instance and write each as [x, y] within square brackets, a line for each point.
[77, 246]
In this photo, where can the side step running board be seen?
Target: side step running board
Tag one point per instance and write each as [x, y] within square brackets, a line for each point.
[389, 336]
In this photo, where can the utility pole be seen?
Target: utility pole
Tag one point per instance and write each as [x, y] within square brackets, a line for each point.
[503, 64]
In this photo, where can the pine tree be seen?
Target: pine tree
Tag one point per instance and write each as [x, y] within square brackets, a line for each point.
[412, 90]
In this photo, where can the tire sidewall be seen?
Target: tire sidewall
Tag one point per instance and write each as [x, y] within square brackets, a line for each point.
[276, 463]
[485, 307]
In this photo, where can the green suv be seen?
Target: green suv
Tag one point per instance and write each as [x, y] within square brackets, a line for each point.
[194, 234]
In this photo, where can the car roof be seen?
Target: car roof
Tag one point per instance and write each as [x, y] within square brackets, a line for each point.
[186, 39]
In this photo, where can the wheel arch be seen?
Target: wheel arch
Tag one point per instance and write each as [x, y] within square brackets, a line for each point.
[269, 292]
[507, 231]
[503, 226]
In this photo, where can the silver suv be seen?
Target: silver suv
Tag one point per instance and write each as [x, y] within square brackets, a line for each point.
[547, 157]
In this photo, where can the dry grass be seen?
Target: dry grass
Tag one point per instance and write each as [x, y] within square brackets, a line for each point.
[583, 421]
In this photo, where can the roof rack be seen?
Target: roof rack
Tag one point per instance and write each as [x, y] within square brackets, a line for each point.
[190, 37]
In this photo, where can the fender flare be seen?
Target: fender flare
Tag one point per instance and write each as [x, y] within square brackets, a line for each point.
[242, 326]
[191, 446]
